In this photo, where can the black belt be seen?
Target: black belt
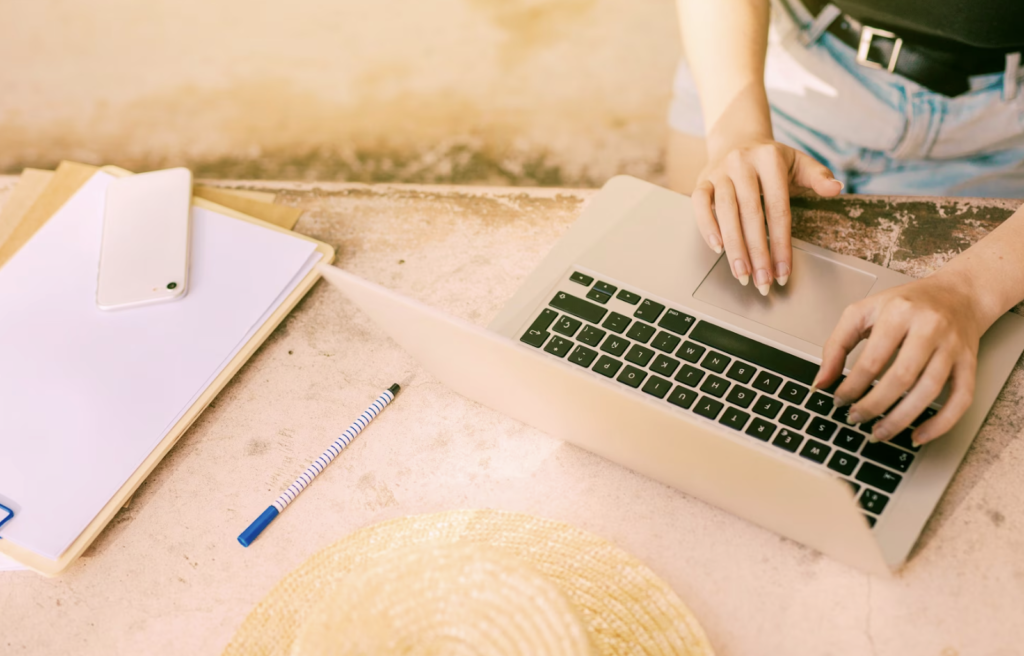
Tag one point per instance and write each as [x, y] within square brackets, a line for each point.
[928, 61]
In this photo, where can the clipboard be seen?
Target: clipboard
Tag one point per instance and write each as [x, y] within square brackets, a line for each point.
[67, 180]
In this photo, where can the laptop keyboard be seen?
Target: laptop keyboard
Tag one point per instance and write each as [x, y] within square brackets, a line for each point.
[747, 386]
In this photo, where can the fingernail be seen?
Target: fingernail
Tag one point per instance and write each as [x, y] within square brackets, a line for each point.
[919, 440]
[879, 434]
[855, 417]
[763, 281]
[841, 185]
[742, 273]
[841, 402]
[716, 244]
[782, 273]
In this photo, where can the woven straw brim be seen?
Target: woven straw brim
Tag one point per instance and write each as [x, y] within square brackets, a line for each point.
[623, 606]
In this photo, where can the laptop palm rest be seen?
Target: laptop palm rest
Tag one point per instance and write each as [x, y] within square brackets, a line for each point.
[689, 453]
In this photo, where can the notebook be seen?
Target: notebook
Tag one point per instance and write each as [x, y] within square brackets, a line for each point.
[87, 397]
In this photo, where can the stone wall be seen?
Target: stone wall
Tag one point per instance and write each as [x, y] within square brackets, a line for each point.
[548, 92]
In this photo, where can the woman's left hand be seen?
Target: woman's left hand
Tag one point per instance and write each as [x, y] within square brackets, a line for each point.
[932, 328]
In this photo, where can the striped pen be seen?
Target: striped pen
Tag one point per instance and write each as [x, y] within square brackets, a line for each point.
[300, 484]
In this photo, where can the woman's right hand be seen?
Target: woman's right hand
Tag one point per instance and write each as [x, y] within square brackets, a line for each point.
[728, 206]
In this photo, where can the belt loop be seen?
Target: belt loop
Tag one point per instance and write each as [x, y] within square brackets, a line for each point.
[1011, 78]
[821, 22]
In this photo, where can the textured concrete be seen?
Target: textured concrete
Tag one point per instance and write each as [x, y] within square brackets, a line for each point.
[535, 92]
[168, 577]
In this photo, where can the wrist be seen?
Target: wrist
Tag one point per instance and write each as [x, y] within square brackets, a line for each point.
[980, 301]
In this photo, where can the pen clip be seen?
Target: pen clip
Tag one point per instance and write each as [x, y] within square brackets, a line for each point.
[5, 514]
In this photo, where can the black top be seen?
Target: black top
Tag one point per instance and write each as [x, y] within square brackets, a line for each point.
[979, 23]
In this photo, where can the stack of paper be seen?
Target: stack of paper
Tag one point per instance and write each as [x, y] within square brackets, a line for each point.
[87, 395]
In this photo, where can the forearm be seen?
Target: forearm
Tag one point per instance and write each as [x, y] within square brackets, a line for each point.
[992, 271]
[725, 43]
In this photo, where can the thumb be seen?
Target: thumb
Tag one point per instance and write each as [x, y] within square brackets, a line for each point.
[812, 174]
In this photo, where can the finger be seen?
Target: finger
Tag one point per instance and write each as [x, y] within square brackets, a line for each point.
[810, 173]
[727, 212]
[702, 196]
[913, 356]
[853, 325]
[960, 396]
[775, 187]
[926, 390]
[748, 194]
[887, 333]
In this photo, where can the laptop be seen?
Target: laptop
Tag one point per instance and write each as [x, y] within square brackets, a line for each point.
[632, 340]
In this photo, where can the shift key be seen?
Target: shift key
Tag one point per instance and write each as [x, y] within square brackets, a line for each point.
[578, 307]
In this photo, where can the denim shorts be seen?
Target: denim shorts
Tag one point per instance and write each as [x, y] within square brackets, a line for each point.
[879, 132]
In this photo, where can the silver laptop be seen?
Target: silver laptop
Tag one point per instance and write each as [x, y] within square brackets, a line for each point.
[633, 340]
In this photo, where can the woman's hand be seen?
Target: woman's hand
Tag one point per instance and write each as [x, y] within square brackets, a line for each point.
[728, 207]
[935, 327]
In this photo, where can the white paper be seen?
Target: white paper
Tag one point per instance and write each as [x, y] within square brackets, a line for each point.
[86, 395]
[9, 564]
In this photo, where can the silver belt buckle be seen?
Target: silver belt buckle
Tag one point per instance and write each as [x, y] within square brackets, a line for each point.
[867, 34]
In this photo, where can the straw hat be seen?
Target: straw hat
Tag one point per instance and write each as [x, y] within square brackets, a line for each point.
[478, 582]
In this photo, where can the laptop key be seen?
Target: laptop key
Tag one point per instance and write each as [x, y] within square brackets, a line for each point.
[690, 352]
[904, 440]
[843, 463]
[640, 355]
[666, 342]
[794, 417]
[816, 451]
[581, 278]
[665, 365]
[755, 352]
[682, 397]
[628, 297]
[689, 375]
[820, 403]
[849, 440]
[535, 338]
[734, 418]
[873, 501]
[716, 362]
[598, 295]
[658, 387]
[740, 396]
[677, 322]
[767, 382]
[544, 319]
[615, 345]
[591, 335]
[923, 417]
[875, 476]
[708, 407]
[740, 371]
[871, 520]
[767, 407]
[822, 429]
[788, 440]
[761, 429]
[616, 322]
[640, 332]
[793, 393]
[582, 356]
[607, 366]
[649, 311]
[567, 326]
[632, 376]
[577, 307]
[842, 415]
[558, 346]
[888, 455]
[715, 386]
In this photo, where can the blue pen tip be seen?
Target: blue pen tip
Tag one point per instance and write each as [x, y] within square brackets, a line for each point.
[254, 530]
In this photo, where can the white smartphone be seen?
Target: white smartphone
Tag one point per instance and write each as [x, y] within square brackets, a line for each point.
[146, 234]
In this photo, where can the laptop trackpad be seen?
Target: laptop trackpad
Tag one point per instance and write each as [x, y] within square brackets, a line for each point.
[808, 307]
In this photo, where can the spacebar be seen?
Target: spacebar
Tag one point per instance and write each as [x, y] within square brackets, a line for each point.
[755, 352]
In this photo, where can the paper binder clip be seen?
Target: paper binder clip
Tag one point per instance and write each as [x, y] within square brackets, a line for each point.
[5, 514]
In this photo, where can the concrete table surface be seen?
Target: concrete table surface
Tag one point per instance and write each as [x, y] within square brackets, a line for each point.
[168, 577]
